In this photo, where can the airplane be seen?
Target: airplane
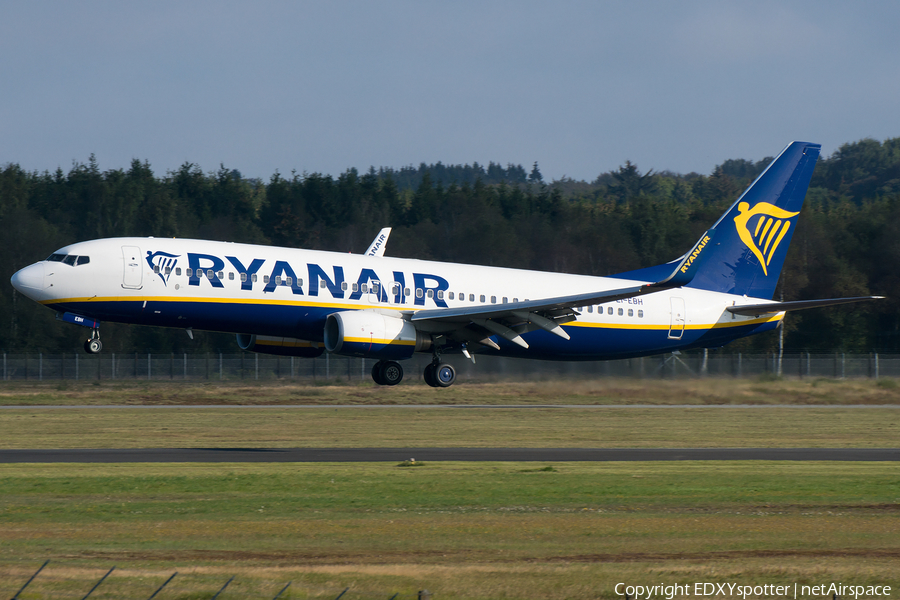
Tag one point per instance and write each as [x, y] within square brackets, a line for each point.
[297, 302]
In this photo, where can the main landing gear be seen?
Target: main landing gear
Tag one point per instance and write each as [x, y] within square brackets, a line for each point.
[93, 345]
[387, 372]
[439, 374]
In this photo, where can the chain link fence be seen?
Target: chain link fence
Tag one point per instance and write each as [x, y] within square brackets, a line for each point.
[337, 369]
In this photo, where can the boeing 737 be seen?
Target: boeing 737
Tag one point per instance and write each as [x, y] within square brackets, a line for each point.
[303, 302]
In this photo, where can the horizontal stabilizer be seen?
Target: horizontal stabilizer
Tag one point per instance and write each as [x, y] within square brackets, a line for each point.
[755, 310]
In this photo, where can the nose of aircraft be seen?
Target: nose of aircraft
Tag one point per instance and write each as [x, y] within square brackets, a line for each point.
[29, 280]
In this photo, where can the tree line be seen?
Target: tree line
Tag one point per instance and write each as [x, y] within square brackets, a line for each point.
[847, 242]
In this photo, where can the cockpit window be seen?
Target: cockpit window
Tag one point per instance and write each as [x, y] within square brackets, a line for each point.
[69, 259]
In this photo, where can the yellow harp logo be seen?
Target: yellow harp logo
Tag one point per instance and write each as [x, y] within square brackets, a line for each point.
[764, 234]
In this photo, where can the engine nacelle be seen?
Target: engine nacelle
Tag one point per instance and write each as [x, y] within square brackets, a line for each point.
[283, 346]
[372, 335]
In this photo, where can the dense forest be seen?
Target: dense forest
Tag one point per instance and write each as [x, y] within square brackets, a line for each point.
[847, 241]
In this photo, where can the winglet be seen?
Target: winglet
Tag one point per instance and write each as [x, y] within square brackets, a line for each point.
[378, 244]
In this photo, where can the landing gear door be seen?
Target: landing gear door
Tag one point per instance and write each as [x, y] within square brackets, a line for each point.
[131, 258]
[676, 326]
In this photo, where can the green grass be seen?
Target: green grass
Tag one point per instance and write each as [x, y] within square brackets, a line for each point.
[449, 427]
[459, 529]
[575, 391]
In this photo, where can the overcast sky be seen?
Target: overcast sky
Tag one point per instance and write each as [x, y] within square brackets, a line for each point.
[323, 86]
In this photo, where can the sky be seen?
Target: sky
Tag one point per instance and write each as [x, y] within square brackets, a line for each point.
[578, 86]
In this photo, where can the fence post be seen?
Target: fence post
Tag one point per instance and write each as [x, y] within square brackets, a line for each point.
[221, 375]
[135, 365]
[843, 366]
[292, 368]
[740, 366]
[149, 367]
[40, 366]
[808, 365]
[876, 365]
[327, 367]
[256, 357]
[76, 366]
[242, 365]
[172, 366]
[5, 376]
[26, 366]
[185, 366]
[113, 374]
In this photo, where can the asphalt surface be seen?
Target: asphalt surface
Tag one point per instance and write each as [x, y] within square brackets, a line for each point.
[219, 455]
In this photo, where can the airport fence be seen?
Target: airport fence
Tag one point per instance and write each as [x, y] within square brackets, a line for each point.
[330, 368]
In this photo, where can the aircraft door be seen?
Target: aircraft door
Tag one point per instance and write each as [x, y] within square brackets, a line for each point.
[676, 326]
[131, 258]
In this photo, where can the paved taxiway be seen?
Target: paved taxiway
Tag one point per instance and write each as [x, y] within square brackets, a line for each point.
[217, 455]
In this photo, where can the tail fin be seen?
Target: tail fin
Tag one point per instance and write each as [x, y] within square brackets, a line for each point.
[752, 237]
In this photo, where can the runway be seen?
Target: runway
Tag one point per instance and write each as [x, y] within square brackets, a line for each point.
[271, 455]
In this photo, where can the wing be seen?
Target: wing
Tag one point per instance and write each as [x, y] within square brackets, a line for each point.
[478, 323]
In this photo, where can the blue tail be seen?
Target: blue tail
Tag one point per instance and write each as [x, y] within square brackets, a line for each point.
[752, 238]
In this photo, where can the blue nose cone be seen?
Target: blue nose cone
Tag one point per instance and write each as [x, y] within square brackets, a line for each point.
[29, 280]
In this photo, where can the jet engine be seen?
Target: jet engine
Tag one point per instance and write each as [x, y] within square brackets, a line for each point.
[283, 346]
[373, 335]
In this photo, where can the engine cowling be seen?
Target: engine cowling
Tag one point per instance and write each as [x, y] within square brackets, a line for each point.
[283, 346]
[372, 335]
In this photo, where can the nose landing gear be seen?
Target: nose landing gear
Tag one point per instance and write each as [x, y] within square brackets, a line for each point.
[93, 345]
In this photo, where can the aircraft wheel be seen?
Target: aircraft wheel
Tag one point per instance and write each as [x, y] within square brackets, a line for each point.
[391, 373]
[93, 346]
[444, 375]
[376, 372]
[428, 375]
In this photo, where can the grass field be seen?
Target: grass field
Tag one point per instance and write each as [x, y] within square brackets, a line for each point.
[461, 530]
[486, 530]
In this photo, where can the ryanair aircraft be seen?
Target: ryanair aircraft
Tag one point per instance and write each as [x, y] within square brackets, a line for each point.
[302, 302]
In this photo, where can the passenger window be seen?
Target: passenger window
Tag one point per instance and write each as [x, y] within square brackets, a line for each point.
[640, 314]
[419, 293]
[355, 287]
[253, 278]
[178, 271]
[630, 312]
[482, 297]
[609, 310]
[190, 272]
[450, 295]
[265, 279]
[505, 300]
[621, 312]
[278, 280]
[493, 299]
[300, 283]
[168, 270]
[155, 268]
[395, 290]
[515, 299]
[322, 284]
[210, 274]
[230, 276]
[472, 298]
[221, 274]
[83, 260]
[590, 309]
[343, 285]
[243, 277]
[406, 291]
[430, 294]
[364, 288]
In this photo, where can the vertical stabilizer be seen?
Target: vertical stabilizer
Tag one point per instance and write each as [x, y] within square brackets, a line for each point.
[752, 238]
